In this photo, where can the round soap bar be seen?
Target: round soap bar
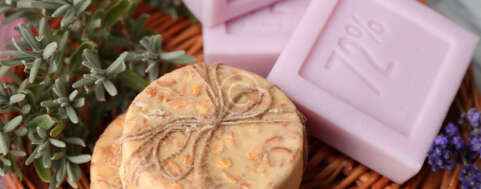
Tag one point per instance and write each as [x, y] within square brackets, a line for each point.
[104, 167]
[212, 126]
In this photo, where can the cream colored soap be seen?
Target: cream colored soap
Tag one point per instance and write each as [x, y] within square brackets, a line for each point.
[106, 158]
[211, 126]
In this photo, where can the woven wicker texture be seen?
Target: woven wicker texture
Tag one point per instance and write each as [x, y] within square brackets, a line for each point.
[326, 167]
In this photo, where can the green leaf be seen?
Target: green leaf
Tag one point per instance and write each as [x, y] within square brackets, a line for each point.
[79, 159]
[48, 104]
[32, 156]
[18, 153]
[34, 70]
[63, 41]
[73, 174]
[6, 162]
[46, 162]
[79, 103]
[68, 18]
[91, 59]
[42, 28]
[57, 130]
[81, 5]
[110, 87]
[76, 141]
[61, 172]
[152, 43]
[71, 114]
[17, 98]
[26, 109]
[18, 46]
[4, 147]
[118, 66]
[133, 80]
[49, 50]
[41, 132]
[115, 13]
[73, 95]
[16, 54]
[59, 88]
[58, 155]
[153, 71]
[57, 143]
[36, 4]
[170, 56]
[22, 131]
[42, 121]
[33, 137]
[61, 2]
[84, 82]
[28, 37]
[61, 10]
[100, 92]
[42, 172]
[77, 56]
[42, 148]
[10, 62]
[13, 124]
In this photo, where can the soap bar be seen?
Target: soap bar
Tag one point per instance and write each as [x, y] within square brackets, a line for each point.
[212, 126]
[376, 78]
[104, 167]
[213, 12]
[254, 42]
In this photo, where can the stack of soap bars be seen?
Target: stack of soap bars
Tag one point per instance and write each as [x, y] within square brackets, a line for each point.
[374, 77]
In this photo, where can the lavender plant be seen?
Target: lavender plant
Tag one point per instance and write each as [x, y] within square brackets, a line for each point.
[80, 63]
[450, 148]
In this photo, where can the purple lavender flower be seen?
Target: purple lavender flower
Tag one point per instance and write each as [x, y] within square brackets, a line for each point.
[455, 138]
[451, 129]
[470, 177]
[458, 142]
[442, 154]
[475, 143]
[473, 116]
[447, 148]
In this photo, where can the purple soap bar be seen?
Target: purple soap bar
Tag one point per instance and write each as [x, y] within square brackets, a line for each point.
[254, 42]
[212, 12]
[375, 77]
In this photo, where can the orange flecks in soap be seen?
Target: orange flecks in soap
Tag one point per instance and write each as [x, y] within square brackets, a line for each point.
[163, 97]
[231, 178]
[196, 90]
[176, 186]
[151, 91]
[217, 148]
[173, 167]
[224, 163]
[202, 108]
[252, 155]
[188, 160]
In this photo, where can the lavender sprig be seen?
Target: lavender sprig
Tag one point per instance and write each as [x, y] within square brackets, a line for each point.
[450, 148]
[470, 177]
